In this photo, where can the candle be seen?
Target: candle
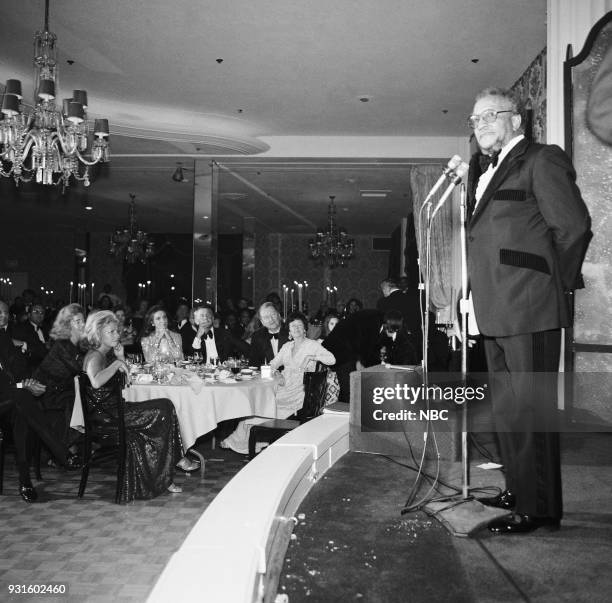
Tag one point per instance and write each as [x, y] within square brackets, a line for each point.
[70, 292]
[285, 303]
[149, 289]
[300, 297]
[306, 301]
[92, 294]
[292, 299]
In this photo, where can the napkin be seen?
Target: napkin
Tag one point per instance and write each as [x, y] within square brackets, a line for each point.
[144, 378]
[195, 383]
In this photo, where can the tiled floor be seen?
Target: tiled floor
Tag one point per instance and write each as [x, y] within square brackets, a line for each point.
[102, 551]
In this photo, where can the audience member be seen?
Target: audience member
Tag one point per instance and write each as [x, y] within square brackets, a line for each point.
[354, 344]
[31, 333]
[297, 356]
[107, 291]
[353, 305]
[159, 343]
[18, 405]
[181, 315]
[267, 341]
[406, 303]
[396, 344]
[212, 342]
[153, 445]
[59, 368]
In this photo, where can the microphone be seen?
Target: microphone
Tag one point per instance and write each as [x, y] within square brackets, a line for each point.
[459, 174]
[453, 163]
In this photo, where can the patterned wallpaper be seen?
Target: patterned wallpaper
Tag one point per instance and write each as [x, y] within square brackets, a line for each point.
[531, 87]
[283, 259]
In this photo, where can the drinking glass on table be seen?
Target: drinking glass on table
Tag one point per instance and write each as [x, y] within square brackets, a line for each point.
[234, 365]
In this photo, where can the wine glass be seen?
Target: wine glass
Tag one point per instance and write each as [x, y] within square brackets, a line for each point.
[234, 365]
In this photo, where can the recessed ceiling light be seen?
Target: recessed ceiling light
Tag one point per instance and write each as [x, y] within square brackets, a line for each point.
[365, 98]
[381, 193]
[205, 217]
[88, 207]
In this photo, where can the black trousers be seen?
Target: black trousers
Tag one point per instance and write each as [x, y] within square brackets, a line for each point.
[28, 417]
[523, 373]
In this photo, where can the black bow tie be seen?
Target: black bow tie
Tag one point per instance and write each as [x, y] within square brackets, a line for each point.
[274, 336]
[209, 335]
[486, 160]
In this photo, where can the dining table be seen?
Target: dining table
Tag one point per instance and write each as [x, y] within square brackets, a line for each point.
[200, 413]
[202, 404]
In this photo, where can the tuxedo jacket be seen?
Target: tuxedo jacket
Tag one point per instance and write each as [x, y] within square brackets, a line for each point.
[227, 345]
[37, 350]
[356, 338]
[526, 241]
[407, 304]
[187, 333]
[261, 348]
[14, 364]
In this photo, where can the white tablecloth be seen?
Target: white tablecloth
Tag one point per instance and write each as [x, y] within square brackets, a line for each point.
[200, 413]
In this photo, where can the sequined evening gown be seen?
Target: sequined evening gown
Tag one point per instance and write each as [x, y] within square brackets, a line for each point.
[153, 441]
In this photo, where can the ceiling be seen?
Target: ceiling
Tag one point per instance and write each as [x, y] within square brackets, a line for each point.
[215, 78]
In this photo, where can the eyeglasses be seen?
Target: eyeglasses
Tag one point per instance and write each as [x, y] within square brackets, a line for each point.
[488, 116]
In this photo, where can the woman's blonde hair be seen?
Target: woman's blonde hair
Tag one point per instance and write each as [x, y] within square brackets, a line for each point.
[96, 321]
[61, 325]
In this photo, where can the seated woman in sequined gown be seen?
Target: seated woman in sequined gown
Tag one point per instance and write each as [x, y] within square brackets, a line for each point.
[160, 344]
[59, 368]
[153, 441]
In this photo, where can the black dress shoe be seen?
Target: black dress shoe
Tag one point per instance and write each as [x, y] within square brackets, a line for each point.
[505, 500]
[28, 493]
[522, 524]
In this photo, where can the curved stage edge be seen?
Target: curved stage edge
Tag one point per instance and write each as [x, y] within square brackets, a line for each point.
[235, 551]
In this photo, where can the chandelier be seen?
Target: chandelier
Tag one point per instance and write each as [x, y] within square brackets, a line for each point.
[44, 142]
[131, 244]
[332, 245]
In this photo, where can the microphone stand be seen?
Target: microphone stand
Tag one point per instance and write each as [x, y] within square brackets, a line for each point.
[463, 309]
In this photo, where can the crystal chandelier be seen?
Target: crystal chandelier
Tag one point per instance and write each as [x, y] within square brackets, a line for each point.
[44, 142]
[332, 244]
[131, 244]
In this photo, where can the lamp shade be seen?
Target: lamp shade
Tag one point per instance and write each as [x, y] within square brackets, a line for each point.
[13, 87]
[76, 113]
[80, 96]
[10, 105]
[101, 128]
[46, 90]
[65, 106]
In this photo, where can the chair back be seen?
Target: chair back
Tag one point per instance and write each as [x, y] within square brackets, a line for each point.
[106, 426]
[315, 386]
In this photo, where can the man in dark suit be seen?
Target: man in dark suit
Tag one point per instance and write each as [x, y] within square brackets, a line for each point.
[31, 332]
[396, 344]
[19, 407]
[405, 302]
[528, 230]
[355, 344]
[214, 343]
[273, 335]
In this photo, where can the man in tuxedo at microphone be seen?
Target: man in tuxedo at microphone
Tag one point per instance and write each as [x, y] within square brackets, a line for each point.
[527, 233]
